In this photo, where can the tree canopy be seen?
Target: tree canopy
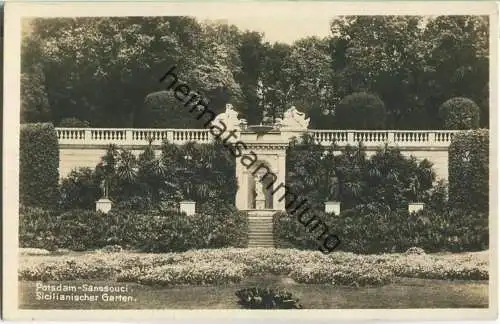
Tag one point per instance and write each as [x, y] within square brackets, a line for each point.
[106, 70]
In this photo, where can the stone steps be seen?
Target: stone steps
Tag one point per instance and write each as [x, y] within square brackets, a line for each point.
[260, 231]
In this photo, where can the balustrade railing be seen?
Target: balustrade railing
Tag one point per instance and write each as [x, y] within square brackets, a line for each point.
[130, 136]
[392, 137]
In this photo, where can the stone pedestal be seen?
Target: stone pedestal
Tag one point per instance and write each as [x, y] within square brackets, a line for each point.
[260, 204]
[103, 205]
[188, 207]
[332, 207]
[415, 207]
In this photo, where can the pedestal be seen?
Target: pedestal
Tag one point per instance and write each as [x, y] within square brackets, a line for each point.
[188, 207]
[332, 207]
[415, 207]
[260, 204]
[103, 205]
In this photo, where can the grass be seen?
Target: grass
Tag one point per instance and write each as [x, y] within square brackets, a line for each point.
[404, 293]
[410, 286]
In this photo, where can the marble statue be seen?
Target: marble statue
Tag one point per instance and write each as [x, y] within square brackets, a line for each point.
[260, 196]
[294, 119]
[104, 188]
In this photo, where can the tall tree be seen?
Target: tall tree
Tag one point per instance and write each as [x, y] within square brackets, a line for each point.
[382, 55]
[310, 75]
[251, 56]
[457, 61]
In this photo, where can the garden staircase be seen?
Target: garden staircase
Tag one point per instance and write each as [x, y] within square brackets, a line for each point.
[260, 230]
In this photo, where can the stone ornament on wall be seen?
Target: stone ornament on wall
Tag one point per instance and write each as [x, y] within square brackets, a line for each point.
[230, 119]
[293, 120]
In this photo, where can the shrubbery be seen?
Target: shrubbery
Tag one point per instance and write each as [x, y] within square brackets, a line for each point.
[468, 157]
[387, 176]
[79, 190]
[38, 165]
[266, 298]
[459, 113]
[198, 172]
[155, 231]
[377, 229]
[360, 110]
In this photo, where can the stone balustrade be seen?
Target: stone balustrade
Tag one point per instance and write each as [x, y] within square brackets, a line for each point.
[403, 138]
[130, 136]
[140, 137]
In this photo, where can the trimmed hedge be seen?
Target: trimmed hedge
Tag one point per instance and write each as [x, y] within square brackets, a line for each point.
[361, 110]
[38, 165]
[375, 229]
[459, 113]
[468, 156]
[156, 231]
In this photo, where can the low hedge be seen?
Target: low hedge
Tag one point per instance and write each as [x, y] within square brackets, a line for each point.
[375, 229]
[218, 266]
[156, 231]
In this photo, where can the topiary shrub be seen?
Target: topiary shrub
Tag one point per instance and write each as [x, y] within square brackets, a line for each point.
[38, 165]
[468, 169]
[459, 113]
[361, 110]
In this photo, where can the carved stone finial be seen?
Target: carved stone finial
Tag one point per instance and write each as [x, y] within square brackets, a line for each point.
[294, 119]
[229, 118]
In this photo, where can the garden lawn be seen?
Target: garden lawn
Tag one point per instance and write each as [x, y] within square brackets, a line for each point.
[209, 278]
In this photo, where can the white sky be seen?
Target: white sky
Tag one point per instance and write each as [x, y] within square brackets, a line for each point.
[283, 29]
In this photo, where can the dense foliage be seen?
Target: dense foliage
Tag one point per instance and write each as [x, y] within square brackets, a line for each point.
[154, 231]
[468, 157]
[198, 172]
[459, 113]
[73, 122]
[360, 111]
[377, 229]
[413, 63]
[352, 178]
[38, 165]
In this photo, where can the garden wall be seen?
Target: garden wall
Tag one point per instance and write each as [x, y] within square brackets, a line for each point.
[71, 157]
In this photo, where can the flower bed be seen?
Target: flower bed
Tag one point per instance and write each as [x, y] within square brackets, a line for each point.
[199, 267]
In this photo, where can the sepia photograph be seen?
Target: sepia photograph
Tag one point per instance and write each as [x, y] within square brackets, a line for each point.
[251, 156]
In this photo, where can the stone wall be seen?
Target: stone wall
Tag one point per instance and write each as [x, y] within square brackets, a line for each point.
[72, 157]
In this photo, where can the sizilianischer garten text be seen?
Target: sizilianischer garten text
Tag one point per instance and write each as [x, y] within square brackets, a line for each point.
[327, 242]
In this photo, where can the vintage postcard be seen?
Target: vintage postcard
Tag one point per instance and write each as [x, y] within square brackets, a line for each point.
[250, 160]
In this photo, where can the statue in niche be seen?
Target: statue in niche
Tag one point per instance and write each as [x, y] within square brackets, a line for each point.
[294, 119]
[260, 196]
